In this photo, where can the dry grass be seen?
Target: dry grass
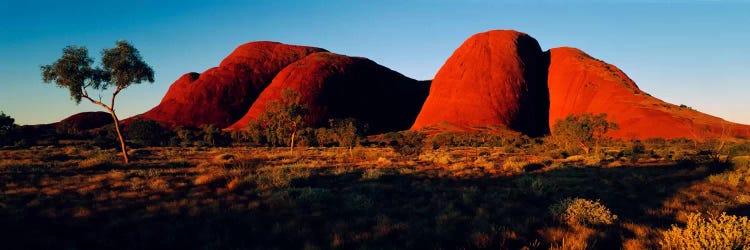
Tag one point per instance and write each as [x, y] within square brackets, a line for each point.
[471, 198]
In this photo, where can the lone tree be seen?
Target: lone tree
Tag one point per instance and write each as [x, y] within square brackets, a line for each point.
[584, 131]
[345, 132]
[121, 66]
[283, 119]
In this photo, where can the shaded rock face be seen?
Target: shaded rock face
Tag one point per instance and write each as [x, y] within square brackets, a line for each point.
[86, 120]
[493, 78]
[580, 84]
[336, 86]
[223, 94]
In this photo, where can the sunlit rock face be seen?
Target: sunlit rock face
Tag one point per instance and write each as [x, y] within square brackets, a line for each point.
[223, 94]
[493, 78]
[336, 86]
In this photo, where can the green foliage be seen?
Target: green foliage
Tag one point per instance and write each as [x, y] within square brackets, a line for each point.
[583, 131]
[212, 136]
[8, 129]
[254, 134]
[722, 232]
[578, 211]
[345, 132]
[148, 133]
[124, 66]
[74, 72]
[121, 67]
[282, 119]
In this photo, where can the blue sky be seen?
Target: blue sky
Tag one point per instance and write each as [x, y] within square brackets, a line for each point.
[684, 52]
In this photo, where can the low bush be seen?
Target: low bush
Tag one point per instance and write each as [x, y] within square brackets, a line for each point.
[147, 133]
[406, 143]
[721, 232]
[579, 211]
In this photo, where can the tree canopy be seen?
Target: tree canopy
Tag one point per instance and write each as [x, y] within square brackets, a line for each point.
[582, 131]
[121, 67]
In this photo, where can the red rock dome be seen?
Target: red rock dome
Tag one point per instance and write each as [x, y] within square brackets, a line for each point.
[222, 95]
[86, 120]
[493, 78]
[579, 83]
[338, 86]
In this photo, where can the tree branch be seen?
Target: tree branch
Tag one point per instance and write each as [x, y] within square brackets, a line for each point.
[98, 103]
[117, 91]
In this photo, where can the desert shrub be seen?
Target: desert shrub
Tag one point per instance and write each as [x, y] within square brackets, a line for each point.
[579, 211]
[213, 137]
[406, 143]
[182, 137]
[106, 137]
[721, 232]
[8, 130]
[739, 149]
[147, 133]
[738, 175]
[634, 151]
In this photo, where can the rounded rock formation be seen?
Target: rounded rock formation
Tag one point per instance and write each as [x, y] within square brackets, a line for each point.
[579, 83]
[493, 78]
[335, 86]
[221, 95]
[85, 121]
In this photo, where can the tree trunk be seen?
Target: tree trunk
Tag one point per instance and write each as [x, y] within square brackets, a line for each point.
[596, 147]
[291, 145]
[119, 135]
[585, 148]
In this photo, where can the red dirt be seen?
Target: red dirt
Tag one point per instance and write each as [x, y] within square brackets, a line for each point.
[86, 120]
[338, 86]
[221, 95]
[579, 84]
[494, 78]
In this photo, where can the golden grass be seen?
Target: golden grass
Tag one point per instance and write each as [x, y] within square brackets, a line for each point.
[322, 198]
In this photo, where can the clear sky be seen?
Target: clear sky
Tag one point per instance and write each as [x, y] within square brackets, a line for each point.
[695, 53]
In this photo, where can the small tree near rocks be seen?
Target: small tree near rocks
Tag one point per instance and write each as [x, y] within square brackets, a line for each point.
[584, 131]
[345, 132]
[283, 119]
